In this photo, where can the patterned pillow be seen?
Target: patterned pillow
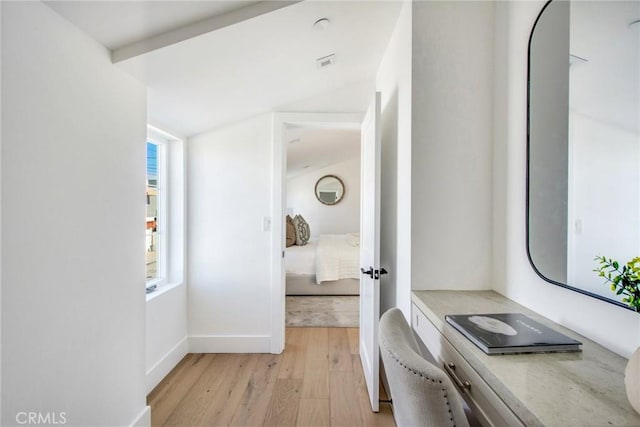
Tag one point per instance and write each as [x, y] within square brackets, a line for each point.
[302, 230]
[291, 232]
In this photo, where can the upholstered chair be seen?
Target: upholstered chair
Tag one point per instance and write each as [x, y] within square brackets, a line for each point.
[421, 393]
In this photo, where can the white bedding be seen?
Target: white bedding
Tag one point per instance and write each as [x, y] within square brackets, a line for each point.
[329, 258]
[337, 257]
[301, 259]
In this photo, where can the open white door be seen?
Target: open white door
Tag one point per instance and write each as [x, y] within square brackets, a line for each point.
[370, 249]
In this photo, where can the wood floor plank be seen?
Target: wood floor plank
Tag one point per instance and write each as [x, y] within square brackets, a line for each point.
[171, 391]
[294, 354]
[284, 404]
[339, 351]
[227, 398]
[314, 412]
[315, 383]
[344, 405]
[168, 382]
[354, 340]
[206, 391]
[383, 418]
[255, 401]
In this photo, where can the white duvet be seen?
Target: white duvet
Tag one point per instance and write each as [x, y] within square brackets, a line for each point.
[337, 257]
[301, 259]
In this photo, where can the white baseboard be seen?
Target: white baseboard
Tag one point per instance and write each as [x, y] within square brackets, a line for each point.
[230, 344]
[166, 364]
[144, 419]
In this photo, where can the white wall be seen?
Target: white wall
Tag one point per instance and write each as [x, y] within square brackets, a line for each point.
[605, 174]
[229, 266]
[73, 302]
[166, 333]
[341, 218]
[512, 274]
[452, 136]
[394, 82]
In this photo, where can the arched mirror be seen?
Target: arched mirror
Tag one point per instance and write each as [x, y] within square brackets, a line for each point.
[329, 190]
[583, 147]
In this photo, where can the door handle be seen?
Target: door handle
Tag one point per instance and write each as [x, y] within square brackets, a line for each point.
[379, 273]
[374, 274]
[369, 272]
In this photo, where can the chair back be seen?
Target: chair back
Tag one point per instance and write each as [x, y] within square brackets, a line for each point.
[421, 393]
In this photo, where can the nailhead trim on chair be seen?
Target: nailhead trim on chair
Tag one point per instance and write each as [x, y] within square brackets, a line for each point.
[423, 376]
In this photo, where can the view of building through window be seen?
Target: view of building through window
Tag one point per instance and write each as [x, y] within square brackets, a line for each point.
[152, 211]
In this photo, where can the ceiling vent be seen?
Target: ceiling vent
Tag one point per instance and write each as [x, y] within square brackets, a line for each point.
[325, 61]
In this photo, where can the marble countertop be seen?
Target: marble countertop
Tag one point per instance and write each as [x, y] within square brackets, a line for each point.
[552, 389]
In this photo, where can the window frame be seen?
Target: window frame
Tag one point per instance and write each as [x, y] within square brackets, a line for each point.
[172, 211]
[162, 219]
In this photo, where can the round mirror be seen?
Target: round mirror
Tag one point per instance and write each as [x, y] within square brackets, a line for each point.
[329, 190]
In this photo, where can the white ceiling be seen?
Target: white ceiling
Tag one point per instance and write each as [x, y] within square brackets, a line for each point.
[607, 86]
[310, 149]
[266, 63]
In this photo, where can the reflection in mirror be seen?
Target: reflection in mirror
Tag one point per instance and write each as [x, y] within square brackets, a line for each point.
[583, 171]
[329, 189]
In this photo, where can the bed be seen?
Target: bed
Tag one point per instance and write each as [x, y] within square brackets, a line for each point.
[328, 265]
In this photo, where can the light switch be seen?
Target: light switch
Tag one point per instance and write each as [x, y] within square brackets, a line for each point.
[266, 223]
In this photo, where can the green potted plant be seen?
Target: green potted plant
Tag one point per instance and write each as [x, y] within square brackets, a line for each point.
[623, 279]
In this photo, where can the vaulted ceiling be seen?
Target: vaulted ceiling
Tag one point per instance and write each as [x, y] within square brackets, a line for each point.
[214, 62]
[606, 84]
[313, 148]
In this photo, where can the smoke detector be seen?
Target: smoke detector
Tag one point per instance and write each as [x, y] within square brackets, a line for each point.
[321, 24]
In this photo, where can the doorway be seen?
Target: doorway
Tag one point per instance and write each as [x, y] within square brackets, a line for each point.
[290, 129]
[322, 190]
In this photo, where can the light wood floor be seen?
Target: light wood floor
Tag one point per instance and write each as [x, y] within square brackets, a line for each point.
[316, 381]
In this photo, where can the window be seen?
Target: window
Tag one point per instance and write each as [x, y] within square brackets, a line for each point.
[156, 218]
[165, 211]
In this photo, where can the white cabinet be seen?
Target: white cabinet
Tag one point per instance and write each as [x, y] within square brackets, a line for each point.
[545, 389]
[485, 404]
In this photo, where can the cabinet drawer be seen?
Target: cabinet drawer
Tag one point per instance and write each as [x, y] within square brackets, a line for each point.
[488, 408]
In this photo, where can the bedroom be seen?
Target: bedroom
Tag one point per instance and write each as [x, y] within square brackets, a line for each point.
[323, 187]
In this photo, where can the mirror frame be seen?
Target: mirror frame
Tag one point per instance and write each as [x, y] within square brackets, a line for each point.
[528, 172]
[315, 190]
